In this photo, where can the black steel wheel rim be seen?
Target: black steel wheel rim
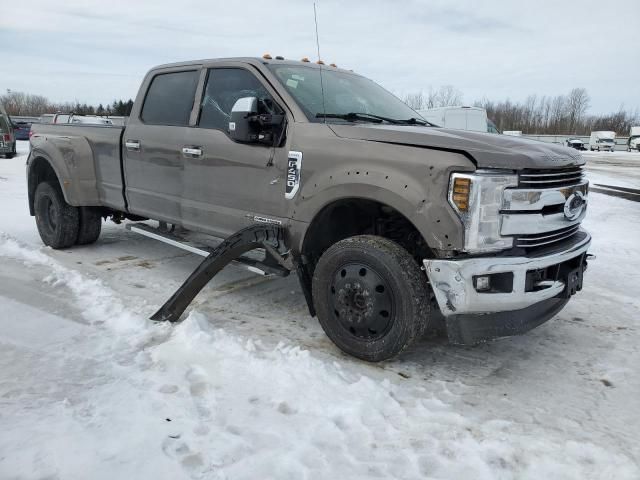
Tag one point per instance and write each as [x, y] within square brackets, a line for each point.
[48, 212]
[361, 301]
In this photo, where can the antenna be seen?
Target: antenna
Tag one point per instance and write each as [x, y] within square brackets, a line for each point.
[315, 18]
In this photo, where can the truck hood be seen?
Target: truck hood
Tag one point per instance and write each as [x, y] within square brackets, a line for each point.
[487, 150]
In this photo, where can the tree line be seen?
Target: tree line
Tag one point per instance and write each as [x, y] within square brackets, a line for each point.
[29, 105]
[554, 115]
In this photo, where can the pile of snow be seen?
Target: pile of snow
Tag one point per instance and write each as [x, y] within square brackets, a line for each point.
[195, 401]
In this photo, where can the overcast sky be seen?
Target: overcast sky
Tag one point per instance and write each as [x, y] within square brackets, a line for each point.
[96, 51]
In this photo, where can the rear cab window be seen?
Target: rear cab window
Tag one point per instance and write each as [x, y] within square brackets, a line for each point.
[170, 98]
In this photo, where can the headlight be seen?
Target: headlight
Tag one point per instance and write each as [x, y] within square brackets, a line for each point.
[477, 198]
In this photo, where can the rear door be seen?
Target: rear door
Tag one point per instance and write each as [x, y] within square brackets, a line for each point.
[229, 185]
[153, 142]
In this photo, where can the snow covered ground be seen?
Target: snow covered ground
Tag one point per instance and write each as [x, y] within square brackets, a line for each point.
[249, 387]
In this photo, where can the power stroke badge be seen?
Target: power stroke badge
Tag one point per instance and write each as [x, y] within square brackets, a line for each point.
[294, 165]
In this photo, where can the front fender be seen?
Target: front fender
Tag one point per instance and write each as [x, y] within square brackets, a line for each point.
[423, 204]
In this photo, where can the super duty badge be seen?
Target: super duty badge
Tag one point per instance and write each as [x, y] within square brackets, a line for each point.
[294, 165]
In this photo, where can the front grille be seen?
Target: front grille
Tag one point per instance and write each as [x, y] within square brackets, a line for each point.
[546, 238]
[550, 178]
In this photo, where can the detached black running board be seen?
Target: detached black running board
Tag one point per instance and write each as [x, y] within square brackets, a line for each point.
[269, 237]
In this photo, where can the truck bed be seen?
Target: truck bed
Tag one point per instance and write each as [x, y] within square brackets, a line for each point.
[94, 155]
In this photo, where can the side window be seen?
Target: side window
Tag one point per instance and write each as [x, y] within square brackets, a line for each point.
[170, 98]
[224, 87]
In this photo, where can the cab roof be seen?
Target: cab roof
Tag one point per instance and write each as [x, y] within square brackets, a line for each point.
[250, 60]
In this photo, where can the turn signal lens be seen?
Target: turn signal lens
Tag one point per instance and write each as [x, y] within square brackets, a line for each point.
[460, 193]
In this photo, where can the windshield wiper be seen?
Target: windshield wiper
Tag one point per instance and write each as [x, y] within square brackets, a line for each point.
[351, 116]
[370, 117]
[416, 121]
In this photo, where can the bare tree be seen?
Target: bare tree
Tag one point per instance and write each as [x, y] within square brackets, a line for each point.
[448, 95]
[577, 105]
[416, 101]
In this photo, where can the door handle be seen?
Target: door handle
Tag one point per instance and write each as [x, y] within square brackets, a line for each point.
[133, 145]
[192, 151]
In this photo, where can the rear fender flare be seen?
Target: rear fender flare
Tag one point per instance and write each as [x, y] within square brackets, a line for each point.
[76, 176]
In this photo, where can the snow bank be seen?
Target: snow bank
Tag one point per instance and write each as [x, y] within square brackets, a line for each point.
[99, 304]
[202, 403]
[283, 413]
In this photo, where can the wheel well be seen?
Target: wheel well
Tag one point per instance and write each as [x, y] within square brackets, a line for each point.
[40, 171]
[357, 216]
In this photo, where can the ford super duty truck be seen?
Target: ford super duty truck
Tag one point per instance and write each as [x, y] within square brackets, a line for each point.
[388, 221]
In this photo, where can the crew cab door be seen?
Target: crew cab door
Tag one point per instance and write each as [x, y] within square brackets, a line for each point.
[230, 185]
[153, 142]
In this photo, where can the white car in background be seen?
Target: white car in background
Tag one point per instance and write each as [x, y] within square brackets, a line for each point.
[634, 139]
[602, 141]
[460, 118]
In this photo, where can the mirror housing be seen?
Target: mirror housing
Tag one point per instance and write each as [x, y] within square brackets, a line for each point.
[240, 125]
[246, 125]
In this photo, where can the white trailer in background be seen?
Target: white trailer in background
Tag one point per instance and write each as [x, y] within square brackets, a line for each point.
[513, 133]
[634, 139]
[461, 118]
[605, 141]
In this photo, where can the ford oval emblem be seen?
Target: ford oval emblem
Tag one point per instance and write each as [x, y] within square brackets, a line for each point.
[574, 206]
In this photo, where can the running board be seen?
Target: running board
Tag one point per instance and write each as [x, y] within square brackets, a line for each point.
[170, 238]
[269, 237]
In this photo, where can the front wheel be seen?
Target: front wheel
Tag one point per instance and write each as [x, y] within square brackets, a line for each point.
[371, 297]
[57, 221]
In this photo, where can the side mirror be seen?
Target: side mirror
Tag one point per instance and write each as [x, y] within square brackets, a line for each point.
[247, 125]
[240, 123]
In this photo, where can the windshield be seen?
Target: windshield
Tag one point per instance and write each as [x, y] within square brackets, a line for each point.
[606, 140]
[344, 93]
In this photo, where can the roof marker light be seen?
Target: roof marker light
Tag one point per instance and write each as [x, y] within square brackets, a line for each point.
[266, 56]
[305, 60]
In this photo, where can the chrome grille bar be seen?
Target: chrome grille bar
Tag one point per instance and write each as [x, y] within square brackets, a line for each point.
[548, 177]
[530, 241]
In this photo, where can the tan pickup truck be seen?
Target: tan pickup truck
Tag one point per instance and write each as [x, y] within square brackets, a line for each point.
[390, 222]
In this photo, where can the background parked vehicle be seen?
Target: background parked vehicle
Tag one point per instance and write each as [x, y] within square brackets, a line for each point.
[89, 120]
[634, 139]
[460, 118]
[61, 118]
[47, 118]
[7, 137]
[513, 133]
[605, 141]
[21, 130]
[575, 143]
